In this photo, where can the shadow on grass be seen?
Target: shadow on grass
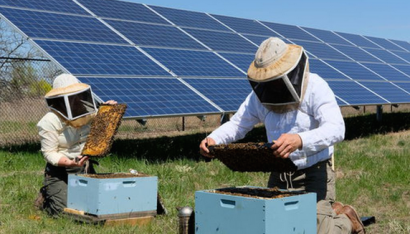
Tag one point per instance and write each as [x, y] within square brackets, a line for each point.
[170, 148]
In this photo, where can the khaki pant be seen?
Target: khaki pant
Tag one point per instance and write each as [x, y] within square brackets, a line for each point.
[320, 179]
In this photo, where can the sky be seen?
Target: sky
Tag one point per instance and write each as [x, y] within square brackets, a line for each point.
[388, 19]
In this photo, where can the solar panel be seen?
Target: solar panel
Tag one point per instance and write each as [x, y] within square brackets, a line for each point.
[328, 36]
[46, 5]
[61, 27]
[387, 90]
[354, 70]
[290, 32]
[404, 85]
[384, 43]
[403, 44]
[226, 93]
[149, 97]
[240, 60]
[403, 68]
[147, 35]
[189, 19]
[388, 72]
[122, 10]
[356, 53]
[358, 40]
[194, 63]
[354, 93]
[386, 56]
[321, 50]
[166, 62]
[325, 70]
[403, 55]
[245, 26]
[223, 41]
[101, 59]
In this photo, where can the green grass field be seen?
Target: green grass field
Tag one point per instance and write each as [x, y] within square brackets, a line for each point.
[372, 176]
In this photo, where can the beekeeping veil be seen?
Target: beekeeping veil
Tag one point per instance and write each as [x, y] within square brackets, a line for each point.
[278, 74]
[71, 99]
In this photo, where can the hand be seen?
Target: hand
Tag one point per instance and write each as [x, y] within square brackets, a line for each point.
[79, 161]
[286, 144]
[110, 102]
[203, 147]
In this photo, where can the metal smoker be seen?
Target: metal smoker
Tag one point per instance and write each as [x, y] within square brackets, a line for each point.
[186, 220]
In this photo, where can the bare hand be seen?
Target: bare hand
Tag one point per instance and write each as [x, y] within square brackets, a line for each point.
[80, 161]
[110, 102]
[203, 147]
[286, 144]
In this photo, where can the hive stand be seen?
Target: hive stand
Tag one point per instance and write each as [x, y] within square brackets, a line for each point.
[134, 218]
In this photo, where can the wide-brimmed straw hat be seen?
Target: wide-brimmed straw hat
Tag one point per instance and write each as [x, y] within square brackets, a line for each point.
[273, 59]
[65, 84]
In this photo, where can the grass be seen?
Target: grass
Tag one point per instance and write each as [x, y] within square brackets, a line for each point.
[371, 164]
[372, 176]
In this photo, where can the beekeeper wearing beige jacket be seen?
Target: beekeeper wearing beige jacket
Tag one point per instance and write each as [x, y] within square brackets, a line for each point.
[63, 132]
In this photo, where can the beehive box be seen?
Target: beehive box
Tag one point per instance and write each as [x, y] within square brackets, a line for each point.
[251, 210]
[116, 193]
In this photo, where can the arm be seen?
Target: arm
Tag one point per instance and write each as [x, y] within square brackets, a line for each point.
[247, 116]
[326, 112]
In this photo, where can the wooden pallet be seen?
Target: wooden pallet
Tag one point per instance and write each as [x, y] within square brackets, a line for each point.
[133, 218]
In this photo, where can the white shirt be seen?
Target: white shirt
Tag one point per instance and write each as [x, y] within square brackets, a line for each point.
[318, 121]
[59, 139]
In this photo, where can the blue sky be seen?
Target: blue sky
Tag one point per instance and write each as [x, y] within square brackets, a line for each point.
[379, 18]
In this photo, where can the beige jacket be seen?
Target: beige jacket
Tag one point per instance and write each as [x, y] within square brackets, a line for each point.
[59, 139]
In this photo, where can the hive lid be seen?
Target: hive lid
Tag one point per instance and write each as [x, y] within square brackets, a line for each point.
[251, 157]
[103, 129]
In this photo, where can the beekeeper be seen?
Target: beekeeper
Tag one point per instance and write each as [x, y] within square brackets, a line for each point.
[63, 132]
[303, 119]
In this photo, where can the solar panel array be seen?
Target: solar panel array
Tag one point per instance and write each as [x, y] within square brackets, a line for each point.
[170, 62]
